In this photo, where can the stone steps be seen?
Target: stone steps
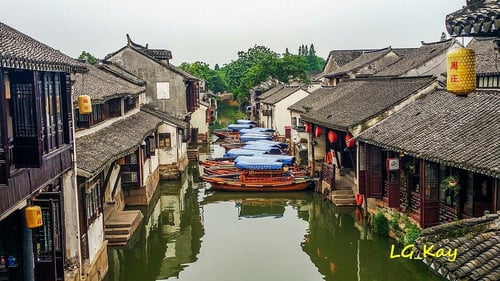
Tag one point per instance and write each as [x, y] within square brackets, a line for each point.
[121, 225]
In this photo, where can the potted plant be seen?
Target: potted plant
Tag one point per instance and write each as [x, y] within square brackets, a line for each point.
[451, 183]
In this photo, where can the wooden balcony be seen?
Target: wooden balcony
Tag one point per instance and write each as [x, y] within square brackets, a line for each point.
[24, 182]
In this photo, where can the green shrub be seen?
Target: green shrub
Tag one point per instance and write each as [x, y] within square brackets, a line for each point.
[381, 224]
[395, 221]
[412, 233]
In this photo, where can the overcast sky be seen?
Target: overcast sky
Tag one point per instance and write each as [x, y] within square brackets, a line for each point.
[213, 31]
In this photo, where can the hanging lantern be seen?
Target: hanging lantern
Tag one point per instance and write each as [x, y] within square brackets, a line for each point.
[308, 127]
[84, 104]
[461, 69]
[349, 141]
[317, 131]
[34, 216]
[332, 137]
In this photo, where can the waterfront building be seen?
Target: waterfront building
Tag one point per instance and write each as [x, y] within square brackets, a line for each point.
[37, 160]
[168, 89]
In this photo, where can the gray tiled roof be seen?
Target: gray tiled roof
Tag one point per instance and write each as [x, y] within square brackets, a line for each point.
[96, 150]
[463, 132]
[359, 62]
[478, 252]
[412, 58]
[156, 55]
[270, 92]
[281, 94]
[313, 101]
[120, 72]
[18, 50]
[487, 58]
[101, 85]
[164, 116]
[354, 101]
[480, 19]
[342, 57]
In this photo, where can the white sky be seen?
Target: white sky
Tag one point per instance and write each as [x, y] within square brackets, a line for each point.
[214, 31]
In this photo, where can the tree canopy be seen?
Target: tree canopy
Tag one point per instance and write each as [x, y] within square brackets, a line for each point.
[88, 57]
[256, 65]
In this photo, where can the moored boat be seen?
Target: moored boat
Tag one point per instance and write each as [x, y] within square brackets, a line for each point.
[261, 184]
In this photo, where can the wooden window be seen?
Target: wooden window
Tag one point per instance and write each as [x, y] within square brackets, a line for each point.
[96, 114]
[151, 144]
[28, 148]
[165, 140]
[93, 202]
[129, 177]
[115, 107]
[446, 195]
[130, 103]
[431, 181]
[130, 171]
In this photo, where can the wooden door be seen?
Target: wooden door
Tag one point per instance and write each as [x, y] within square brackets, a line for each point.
[374, 172]
[429, 200]
[48, 241]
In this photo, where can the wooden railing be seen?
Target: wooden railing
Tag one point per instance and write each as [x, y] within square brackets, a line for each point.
[24, 182]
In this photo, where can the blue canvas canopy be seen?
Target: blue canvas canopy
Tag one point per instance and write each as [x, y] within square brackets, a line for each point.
[257, 130]
[235, 152]
[244, 121]
[252, 163]
[237, 127]
[254, 137]
[285, 159]
[258, 146]
[281, 145]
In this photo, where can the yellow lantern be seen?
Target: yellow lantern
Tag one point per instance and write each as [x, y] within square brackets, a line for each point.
[34, 216]
[84, 104]
[461, 69]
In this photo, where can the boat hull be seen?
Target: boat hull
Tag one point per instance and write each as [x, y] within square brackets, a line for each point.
[228, 184]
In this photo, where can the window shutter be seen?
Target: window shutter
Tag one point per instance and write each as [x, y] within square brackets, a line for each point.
[28, 146]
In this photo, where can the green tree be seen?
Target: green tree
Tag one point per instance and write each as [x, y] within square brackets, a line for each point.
[312, 52]
[88, 57]
[214, 78]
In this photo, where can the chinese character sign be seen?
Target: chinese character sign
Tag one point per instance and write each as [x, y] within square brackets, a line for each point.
[461, 71]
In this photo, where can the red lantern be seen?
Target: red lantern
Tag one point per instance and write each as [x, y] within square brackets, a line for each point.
[349, 141]
[317, 131]
[332, 137]
[308, 127]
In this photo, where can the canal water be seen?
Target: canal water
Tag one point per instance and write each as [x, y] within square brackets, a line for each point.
[190, 233]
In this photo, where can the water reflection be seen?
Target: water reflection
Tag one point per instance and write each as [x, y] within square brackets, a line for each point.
[191, 233]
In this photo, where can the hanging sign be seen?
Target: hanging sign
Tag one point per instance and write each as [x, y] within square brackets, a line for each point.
[34, 216]
[461, 71]
[84, 104]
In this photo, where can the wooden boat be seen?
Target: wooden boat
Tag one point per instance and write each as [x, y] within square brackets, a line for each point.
[259, 184]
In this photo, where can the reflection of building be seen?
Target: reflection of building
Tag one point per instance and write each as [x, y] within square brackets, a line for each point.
[169, 237]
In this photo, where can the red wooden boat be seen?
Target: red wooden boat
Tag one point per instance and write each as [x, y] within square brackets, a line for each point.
[260, 184]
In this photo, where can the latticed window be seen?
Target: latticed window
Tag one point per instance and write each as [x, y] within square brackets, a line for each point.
[165, 140]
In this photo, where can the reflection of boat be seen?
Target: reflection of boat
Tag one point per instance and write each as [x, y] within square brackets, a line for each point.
[239, 183]
[214, 197]
[253, 205]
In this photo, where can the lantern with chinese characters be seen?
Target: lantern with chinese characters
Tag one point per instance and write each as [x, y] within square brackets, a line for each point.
[34, 216]
[461, 71]
[308, 127]
[317, 131]
[349, 141]
[332, 136]
[84, 104]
